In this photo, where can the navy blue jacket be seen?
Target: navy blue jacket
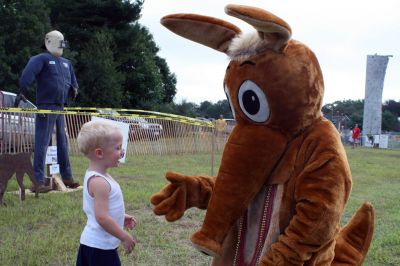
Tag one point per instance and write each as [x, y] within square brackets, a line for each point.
[55, 77]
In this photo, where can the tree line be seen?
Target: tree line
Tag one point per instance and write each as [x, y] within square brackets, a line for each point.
[346, 112]
[350, 112]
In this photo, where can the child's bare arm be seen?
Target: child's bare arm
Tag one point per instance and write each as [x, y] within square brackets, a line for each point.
[100, 189]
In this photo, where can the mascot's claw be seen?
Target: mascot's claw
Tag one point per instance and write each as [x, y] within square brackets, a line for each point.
[354, 239]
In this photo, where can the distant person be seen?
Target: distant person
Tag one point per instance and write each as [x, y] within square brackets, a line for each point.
[103, 203]
[55, 80]
[342, 134]
[371, 140]
[355, 135]
[220, 125]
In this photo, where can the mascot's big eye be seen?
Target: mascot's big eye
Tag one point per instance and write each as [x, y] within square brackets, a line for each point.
[253, 102]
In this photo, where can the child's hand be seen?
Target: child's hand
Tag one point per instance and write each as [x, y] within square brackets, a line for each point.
[129, 243]
[129, 222]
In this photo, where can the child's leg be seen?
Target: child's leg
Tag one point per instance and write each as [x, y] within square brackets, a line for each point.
[88, 256]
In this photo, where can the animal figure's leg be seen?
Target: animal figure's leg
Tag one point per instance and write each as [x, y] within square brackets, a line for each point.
[3, 186]
[6, 172]
[31, 173]
[20, 179]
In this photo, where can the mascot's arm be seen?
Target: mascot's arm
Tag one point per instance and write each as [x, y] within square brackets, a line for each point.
[320, 193]
[181, 194]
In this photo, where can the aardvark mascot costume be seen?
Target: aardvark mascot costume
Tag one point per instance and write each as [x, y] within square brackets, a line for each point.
[284, 178]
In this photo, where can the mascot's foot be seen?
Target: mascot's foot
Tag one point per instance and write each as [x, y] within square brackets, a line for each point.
[355, 238]
[206, 245]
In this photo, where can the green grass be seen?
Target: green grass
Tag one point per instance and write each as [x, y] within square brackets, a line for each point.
[46, 231]
[376, 178]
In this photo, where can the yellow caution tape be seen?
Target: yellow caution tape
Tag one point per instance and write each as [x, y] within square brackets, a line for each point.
[129, 113]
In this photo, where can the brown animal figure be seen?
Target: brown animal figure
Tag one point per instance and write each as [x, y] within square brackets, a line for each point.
[284, 178]
[19, 164]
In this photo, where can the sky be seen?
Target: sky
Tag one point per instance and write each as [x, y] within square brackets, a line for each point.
[341, 33]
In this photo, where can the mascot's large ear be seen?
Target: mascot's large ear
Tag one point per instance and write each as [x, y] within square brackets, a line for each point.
[273, 30]
[212, 32]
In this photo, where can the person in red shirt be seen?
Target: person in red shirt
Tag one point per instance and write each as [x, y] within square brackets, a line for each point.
[355, 135]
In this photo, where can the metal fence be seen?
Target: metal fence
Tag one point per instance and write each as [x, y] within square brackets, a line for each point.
[149, 134]
[394, 141]
[154, 136]
[17, 132]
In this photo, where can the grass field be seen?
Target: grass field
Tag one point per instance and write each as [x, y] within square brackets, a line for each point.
[45, 231]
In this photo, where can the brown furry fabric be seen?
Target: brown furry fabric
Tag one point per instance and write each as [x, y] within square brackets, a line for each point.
[281, 140]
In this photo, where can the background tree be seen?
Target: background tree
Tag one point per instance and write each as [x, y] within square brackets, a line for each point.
[391, 116]
[207, 109]
[186, 109]
[389, 121]
[354, 109]
[168, 80]
[99, 77]
[222, 107]
[346, 107]
[392, 106]
[22, 26]
[143, 80]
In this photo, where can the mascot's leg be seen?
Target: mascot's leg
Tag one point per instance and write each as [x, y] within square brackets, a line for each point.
[354, 239]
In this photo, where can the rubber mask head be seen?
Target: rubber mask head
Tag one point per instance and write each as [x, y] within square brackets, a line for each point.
[54, 42]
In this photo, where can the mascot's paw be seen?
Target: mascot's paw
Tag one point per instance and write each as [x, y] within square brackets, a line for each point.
[182, 193]
[170, 201]
[206, 245]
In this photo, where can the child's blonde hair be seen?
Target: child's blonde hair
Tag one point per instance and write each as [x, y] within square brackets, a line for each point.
[95, 133]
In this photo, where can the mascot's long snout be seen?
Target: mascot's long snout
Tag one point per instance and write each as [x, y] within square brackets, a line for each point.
[240, 177]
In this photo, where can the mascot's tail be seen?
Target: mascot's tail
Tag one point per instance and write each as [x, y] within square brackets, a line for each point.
[354, 239]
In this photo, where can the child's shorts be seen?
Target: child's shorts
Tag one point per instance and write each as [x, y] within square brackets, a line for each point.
[88, 256]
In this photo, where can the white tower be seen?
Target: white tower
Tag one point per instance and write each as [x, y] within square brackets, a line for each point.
[376, 70]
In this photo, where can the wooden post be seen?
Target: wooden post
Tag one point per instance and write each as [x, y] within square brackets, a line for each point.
[56, 182]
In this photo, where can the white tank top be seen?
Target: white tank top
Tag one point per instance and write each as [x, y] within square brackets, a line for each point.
[93, 234]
